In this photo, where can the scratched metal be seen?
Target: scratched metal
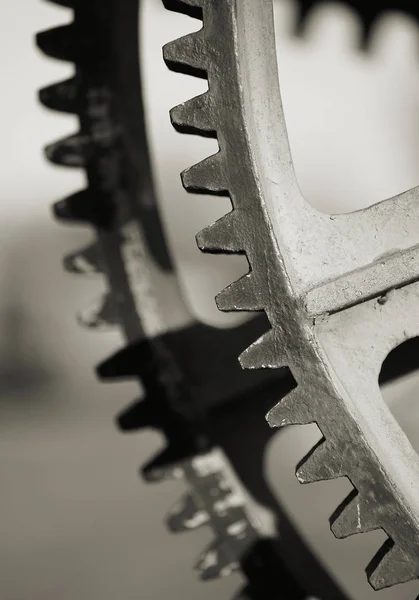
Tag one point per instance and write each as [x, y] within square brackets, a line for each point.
[340, 291]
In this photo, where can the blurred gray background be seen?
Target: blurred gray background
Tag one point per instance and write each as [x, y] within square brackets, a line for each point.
[76, 522]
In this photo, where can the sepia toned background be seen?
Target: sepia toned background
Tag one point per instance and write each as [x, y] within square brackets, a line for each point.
[76, 522]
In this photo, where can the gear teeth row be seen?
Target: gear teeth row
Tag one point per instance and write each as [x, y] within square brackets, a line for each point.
[188, 55]
[91, 207]
[63, 97]
[180, 462]
[235, 232]
[84, 262]
[70, 43]
[220, 559]
[136, 360]
[224, 236]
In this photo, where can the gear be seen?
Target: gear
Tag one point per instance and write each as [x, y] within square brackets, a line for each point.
[368, 12]
[193, 390]
[340, 291]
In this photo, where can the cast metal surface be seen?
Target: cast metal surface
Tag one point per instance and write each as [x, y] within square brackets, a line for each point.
[340, 291]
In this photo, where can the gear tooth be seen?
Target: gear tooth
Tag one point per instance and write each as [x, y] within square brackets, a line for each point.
[69, 152]
[73, 207]
[391, 566]
[139, 415]
[63, 96]
[186, 516]
[158, 468]
[83, 262]
[265, 353]
[131, 361]
[62, 43]
[352, 516]
[317, 466]
[119, 365]
[166, 465]
[291, 410]
[86, 207]
[206, 177]
[187, 54]
[221, 236]
[216, 561]
[101, 315]
[240, 295]
[195, 116]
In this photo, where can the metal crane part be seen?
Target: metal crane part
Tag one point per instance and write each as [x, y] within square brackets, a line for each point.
[340, 291]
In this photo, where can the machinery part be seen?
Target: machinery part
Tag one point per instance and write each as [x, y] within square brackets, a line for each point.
[191, 390]
[368, 12]
[340, 291]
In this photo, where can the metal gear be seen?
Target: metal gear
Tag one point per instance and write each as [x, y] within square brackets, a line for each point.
[194, 391]
[340, 291]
